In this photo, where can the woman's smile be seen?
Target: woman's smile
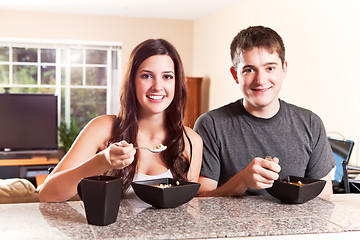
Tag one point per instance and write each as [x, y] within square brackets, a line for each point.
[155, 84]
[156, 98]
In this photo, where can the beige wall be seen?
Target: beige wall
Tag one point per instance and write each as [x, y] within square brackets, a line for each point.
[322, 39]
[321, 36]
[129, 31]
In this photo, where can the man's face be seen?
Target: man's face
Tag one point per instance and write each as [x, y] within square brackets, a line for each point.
[260, 75]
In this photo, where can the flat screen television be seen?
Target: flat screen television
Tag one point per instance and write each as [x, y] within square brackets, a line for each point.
[28, 124]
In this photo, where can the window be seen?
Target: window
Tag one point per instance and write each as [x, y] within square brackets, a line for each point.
[84, 76]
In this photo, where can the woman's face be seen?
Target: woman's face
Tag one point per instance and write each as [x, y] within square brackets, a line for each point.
[155, 84]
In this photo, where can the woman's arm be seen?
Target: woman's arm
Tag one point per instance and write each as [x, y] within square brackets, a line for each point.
[82, 160]
[197, 151]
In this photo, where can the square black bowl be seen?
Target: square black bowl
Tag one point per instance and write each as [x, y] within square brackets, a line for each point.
[171, 197]
[283, 190]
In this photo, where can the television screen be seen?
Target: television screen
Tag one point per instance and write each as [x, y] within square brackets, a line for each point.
[28, 123]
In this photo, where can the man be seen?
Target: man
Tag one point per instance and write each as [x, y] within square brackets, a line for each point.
[251, 142]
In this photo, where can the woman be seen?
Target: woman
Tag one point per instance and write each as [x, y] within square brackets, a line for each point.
[152, 99]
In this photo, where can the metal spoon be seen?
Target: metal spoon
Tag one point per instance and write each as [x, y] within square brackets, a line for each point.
[157, 149]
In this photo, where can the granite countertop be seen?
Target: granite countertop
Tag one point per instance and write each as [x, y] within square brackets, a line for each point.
[201, 218]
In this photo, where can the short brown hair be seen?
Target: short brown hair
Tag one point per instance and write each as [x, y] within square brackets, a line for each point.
[256, 36]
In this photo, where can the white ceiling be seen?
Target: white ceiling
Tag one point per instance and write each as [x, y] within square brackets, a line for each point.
[170, 9]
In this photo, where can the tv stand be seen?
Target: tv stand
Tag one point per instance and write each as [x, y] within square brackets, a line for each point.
[26, 168]
[14, 156]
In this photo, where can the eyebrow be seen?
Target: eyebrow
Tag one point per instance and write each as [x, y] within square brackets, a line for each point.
[247, 66]
[144, 70]
[271, 63]
[148, 71]
[266, 64]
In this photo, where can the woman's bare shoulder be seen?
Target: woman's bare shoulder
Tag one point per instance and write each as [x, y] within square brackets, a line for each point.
[104, 118]
[103, 121]
[100, 126]
[194, 136]
[92, 139]
[196, 151]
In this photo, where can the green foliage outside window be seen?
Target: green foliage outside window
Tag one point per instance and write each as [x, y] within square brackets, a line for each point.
[68, 134]
[81, 84]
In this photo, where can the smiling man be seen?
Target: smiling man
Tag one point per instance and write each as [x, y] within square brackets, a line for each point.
[239, 137]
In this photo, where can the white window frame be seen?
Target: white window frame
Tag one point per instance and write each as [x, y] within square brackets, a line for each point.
[112, 75]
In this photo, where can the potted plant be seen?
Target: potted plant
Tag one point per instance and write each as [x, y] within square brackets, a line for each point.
[68, 134]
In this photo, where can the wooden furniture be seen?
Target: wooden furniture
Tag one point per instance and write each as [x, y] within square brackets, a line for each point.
[42, 160]
[40, 178]
[251, 217]
[193, 103]
[27, 168]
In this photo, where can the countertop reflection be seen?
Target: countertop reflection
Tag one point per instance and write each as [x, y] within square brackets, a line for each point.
[201, 218]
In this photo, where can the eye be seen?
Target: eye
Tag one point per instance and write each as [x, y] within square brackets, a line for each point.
[270, 69]
[145, 76]
[168, 76]
[247, 71]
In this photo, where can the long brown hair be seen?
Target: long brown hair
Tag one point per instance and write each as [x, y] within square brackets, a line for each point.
[126, 124]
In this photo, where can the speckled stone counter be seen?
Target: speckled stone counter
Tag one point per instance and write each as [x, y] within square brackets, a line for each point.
[201, 218]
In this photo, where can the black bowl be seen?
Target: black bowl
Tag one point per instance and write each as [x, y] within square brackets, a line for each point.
[171, 197]
[291, 193]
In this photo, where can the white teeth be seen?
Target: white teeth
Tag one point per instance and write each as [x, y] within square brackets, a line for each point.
[155, 97]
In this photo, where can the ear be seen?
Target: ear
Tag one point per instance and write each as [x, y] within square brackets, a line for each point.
[284, 68]
[234, 74]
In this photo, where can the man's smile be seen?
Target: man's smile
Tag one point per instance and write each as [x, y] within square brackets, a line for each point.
[261, 89]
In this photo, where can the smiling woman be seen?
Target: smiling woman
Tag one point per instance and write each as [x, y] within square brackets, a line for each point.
[152, 102]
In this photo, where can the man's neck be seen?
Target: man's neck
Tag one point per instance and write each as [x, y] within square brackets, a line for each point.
[262, 111]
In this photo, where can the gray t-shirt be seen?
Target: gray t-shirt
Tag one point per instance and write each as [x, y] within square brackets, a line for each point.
[233, 138]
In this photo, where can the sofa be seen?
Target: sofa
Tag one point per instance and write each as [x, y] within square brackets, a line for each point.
[17, 190]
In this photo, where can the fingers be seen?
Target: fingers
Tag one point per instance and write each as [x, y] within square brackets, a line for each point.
[262, 172]
[123, 143]
[120, 154]
[120, 164]
[270, 164]
[122, 150]
[263, 184]
[264, 176]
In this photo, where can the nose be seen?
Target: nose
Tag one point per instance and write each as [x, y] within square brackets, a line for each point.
[157, 84]
[260, 77]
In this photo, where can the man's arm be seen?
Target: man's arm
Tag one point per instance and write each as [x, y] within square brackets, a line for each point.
[209, 188]
[328, 190]
[259, 174]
